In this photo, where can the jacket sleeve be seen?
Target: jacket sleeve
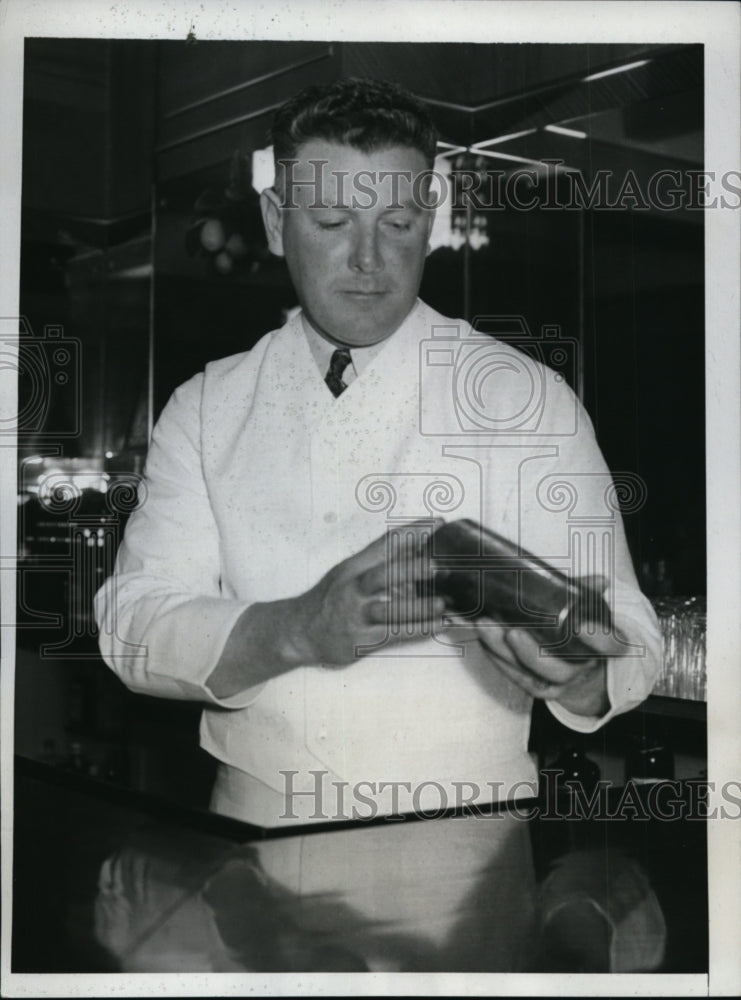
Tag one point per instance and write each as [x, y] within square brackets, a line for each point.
[162, 620]
[572, 496]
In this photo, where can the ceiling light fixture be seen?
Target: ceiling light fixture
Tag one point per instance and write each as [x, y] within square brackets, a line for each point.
[509, 156]
[573, 133]
[615, 69]
[448, 149]
[501, 138]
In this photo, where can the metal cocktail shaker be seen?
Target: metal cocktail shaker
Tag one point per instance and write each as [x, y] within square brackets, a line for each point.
[481, 573]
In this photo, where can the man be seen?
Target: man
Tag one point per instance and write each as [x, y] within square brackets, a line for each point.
[272, 569]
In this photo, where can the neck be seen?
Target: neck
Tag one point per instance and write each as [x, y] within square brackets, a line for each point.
[334, 341]
[337, 342]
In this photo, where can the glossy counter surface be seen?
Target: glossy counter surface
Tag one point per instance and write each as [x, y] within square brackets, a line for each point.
[109, 881]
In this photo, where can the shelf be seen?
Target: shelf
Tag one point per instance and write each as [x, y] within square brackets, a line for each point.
[678, 708]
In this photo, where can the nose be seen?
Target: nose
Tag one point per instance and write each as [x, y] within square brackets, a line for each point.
[365, 253]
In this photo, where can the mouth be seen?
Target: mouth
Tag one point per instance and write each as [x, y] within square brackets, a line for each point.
[364, 293]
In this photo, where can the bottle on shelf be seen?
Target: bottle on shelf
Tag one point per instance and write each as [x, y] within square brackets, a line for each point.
[571, 770]
[649, 759]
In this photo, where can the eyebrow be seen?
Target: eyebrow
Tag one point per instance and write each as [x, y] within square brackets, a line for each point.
[407, 206]
[322, 211]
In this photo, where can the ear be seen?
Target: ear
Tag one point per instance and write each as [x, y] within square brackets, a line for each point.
[272, 218]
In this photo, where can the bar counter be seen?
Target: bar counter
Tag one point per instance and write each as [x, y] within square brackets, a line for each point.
[106, 880]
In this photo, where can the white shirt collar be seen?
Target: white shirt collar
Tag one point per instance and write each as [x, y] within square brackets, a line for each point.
[322, 350]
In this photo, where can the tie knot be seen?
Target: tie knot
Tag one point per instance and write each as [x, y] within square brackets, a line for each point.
[338, 363]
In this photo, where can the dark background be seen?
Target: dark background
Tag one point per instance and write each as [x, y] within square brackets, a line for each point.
[128, 144]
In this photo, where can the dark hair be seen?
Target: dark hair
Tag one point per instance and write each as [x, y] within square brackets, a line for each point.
[366, 114]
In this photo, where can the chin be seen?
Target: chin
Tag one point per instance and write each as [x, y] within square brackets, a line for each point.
[375, 327]
[360, 326]
[366, 337]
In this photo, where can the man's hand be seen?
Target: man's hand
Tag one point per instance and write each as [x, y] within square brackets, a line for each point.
[363, 601]
[579, 687]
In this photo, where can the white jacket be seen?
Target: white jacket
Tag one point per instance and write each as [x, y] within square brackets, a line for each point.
[258, 481]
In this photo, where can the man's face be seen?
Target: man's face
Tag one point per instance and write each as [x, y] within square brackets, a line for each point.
[356, 240]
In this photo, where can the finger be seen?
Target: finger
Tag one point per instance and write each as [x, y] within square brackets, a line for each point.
[453, 619]
[416, 534]
[458, 628]
[374, 580]
[404, 611]
[596, 581]
[380, 635]
[401, 574]
[604, 643]
[410, 539]
[410, 611]
[406, 537]
[528, 655]
[536, 687]
[492, 636]
[498, 661]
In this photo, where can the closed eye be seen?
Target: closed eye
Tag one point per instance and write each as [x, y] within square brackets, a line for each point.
[399, 224]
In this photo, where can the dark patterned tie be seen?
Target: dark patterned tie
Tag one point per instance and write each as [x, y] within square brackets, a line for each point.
[338, 363]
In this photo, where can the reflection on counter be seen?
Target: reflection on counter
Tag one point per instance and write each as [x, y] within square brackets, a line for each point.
[444, 895]
[403, 896]
[119, 885]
